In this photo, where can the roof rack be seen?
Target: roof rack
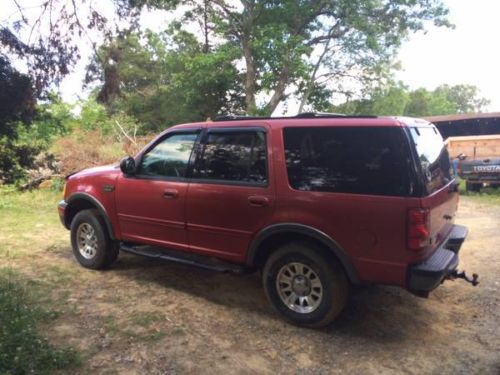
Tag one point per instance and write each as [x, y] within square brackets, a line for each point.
[299, 116]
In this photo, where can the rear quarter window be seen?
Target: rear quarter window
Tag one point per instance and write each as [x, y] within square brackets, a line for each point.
[433, 157]
[357, 160]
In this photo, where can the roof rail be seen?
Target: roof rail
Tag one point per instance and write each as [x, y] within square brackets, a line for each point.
[330, 115]
[319, 114]
[238, 117]
[299, 116]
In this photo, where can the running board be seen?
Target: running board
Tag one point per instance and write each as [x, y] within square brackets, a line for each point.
[196, 260]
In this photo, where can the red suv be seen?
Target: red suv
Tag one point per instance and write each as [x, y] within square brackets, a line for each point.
[315, 202]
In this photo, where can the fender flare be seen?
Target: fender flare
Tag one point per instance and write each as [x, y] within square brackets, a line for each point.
[305, 230]
[102, 211]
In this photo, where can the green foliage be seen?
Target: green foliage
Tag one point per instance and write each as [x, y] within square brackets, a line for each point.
[398, 100]
[465, 98]
[428, 103]
[14, 158]
[165, 79]
[22, 349]
[252, 55]
[278, 41]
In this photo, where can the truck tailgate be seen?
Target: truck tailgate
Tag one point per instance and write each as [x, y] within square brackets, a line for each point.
[443, 205]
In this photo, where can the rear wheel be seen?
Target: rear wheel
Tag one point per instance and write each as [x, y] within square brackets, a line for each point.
[473, 186]
[90, 241]
[308, 287]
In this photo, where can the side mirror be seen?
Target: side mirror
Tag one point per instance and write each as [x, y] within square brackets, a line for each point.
[127, 165]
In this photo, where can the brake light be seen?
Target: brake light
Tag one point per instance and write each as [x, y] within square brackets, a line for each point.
[419, 232]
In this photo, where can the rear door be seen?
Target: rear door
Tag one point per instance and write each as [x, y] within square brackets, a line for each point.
[440, 190]
[231, 194]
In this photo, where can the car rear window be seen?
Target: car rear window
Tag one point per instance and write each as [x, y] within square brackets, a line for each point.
[433, 157]
[358, 160]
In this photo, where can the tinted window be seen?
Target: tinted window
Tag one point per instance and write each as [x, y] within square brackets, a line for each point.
[360, 160]
[234, 156]
[433, 157]
[170, 157]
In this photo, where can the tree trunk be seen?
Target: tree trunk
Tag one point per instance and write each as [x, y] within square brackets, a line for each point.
[279, 91]
[250, 77]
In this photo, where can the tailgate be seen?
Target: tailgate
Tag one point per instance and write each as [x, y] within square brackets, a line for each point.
[443, 205]
[488, 168]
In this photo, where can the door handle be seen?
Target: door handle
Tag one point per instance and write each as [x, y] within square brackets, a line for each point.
[257, 200]
[170, 194]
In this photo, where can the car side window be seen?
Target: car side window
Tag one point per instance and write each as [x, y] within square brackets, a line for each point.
[356, 160]
[170, 157]
[234, 156]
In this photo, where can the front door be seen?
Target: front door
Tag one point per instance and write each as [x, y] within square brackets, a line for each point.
[151, 204]
[231, 195]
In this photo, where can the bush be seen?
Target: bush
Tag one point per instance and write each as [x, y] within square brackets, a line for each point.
[84, 149]
[22, 349]
[15, 158]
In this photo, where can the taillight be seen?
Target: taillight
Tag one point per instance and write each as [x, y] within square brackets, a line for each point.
[419, 228]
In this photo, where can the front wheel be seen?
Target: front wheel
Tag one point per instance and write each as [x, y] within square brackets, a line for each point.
[90, 241]
[306, 286]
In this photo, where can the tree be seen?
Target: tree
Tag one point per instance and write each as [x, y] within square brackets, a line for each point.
[167, 78]
[396, 99]
[278, 39]
[17, 107]
[466, 98]
[428, 103]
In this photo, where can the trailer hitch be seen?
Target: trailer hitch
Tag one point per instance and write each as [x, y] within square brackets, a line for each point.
[461, 275]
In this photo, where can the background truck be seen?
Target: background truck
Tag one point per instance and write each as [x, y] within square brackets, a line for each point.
[476, 159]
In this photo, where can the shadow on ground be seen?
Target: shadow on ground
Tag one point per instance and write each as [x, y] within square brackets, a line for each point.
[373, 312]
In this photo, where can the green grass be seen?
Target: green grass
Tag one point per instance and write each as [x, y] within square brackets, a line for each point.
[145, 319]
[29, 222]
[487, 195]
[22, 349]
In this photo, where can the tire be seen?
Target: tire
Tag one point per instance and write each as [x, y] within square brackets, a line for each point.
[473, 186]
[94, 250]
[320, 308]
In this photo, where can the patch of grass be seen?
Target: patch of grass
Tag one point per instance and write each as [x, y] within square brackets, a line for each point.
[29, 222]
[111, 325]
[145, 319]
[487, 194]
[22, 349]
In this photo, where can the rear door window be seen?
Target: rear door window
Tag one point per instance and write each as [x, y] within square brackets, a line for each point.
[357, 160]
[433, 157]
[233, 156]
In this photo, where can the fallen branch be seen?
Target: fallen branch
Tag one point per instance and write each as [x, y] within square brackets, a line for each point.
[37, 181]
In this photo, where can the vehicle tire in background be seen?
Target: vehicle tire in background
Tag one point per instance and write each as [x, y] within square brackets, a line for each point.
[306, 285]
[90, 241]
[473, 186]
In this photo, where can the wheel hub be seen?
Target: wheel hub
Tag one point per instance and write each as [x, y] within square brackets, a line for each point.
[299, 287]
[86, 238]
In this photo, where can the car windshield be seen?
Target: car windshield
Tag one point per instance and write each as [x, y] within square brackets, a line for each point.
[433, 157]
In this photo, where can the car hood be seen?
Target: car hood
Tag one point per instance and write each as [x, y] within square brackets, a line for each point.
[106, 170]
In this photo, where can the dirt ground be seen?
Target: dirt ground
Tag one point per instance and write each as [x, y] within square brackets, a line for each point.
[143, 316]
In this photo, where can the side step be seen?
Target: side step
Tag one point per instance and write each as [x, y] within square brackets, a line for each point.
[196, 260]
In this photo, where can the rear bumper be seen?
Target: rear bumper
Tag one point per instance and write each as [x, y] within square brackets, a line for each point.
[429, 274]
[61, 208]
